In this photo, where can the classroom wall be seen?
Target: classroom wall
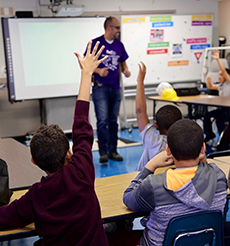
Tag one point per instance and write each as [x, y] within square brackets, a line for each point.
[23, 117]
[224, 20]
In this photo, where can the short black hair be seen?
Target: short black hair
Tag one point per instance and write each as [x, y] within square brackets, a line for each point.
[185, 139]
[166, 116]
[49, 147]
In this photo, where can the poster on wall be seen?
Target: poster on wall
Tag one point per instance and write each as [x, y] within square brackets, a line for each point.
[171, 46]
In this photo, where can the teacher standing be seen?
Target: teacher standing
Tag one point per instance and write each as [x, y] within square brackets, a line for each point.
[106, 91]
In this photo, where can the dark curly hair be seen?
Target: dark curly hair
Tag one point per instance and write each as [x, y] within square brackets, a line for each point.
[185, 139]
[48, 148]
[166, 116]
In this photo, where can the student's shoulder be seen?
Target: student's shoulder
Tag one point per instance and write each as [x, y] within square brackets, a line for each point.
[218, 171]
[155, 179]
[154, 184]
[150, 134]
[148, 127]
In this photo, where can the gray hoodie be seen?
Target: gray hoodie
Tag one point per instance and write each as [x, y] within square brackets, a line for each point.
[207, 190]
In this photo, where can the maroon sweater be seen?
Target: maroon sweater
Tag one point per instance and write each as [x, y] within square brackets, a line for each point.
[64, 206]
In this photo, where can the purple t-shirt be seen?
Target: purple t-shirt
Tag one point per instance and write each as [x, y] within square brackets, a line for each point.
[116, 54]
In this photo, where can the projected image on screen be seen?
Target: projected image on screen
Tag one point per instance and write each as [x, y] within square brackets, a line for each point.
[40, 55]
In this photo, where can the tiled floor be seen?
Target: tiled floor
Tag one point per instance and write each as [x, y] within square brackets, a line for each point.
[131, 155]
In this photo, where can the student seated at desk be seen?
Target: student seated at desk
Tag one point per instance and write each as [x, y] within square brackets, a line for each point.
[220, 114]
[63, 205]
[191, 187]
[153, 141]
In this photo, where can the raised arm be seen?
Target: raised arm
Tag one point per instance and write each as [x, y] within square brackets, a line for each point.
[162, 159]
[141, 109]
[216, 56]
[82, 132]
[88, 64]
[139, 196]
[210, 85]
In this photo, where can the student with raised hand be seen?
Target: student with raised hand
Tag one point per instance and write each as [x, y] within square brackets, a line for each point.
[63, 205]
[153, 141]
[220, 114]
[193, 186]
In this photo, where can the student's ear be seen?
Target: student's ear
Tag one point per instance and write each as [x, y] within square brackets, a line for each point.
[202, 155]
[168, 151]
[156, 125]
[203, 149]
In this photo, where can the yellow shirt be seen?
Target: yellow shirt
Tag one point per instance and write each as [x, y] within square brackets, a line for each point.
[176, 178]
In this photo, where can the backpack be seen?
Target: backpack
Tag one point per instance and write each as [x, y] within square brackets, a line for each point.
[5, 192]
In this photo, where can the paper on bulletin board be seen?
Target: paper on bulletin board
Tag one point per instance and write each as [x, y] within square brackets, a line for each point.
[171, 46]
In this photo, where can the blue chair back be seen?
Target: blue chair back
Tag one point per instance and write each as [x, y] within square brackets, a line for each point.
[200, 229]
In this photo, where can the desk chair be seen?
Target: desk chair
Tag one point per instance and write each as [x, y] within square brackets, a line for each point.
[196, 112]
[214, 69]
[223, 143]
[203, 228]
[213, 73]
[218, 154]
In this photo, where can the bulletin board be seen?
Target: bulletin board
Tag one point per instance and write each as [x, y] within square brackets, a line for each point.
[171, 46]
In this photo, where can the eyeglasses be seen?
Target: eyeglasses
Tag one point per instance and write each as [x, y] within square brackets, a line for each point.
[117, 27]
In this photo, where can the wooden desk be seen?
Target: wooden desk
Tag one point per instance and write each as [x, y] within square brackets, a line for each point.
[215, 101]
[207, 100]
[222, 165]
[225, 159]
[110, 195]
[22, 173]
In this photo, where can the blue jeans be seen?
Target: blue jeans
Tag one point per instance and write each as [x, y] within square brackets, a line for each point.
[107, 105]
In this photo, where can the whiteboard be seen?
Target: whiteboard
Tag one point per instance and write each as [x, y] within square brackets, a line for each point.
[40, 56]
[172, 46]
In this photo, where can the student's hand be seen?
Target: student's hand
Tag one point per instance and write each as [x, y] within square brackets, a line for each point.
[103, 72]
[160, 160]
[216, 54]
[209, 80]
[202, 158]
[141, 73]
[210, 85]
[126, 73]
[90, 62]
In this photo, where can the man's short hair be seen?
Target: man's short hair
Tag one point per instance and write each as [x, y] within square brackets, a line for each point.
[166, 116]
[185, 139]
[108, 22]
[48, 148]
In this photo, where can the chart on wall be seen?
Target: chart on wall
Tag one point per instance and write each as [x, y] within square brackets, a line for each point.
[171, 46]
